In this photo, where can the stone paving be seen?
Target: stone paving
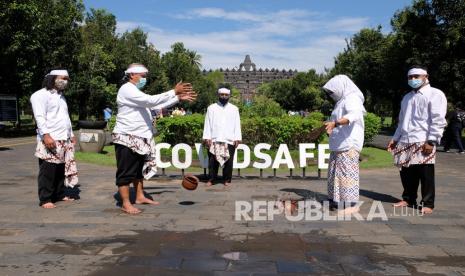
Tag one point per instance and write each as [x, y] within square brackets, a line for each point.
[195, 232]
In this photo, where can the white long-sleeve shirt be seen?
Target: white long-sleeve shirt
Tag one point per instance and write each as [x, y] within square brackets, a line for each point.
[134, 106]
[422, 116]
[222, 124]
[51, 114]
[348, 136]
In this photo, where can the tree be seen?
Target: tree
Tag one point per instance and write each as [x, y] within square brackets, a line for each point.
[299, 93]
[429, 33]
[432, 33]
[364, 61]
[263, 107]
[91, 89]
[217, 77]
[181, 64]
[47, 30]
[132, 47]
[206, 90]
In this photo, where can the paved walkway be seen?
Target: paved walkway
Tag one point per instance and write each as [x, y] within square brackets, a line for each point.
[195, 233]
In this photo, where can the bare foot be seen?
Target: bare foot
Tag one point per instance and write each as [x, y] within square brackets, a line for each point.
[209, 183]
[48, 205]
[401, 203]
[426, 210]
[227, 184]
[348, 211]
[145, 200]
[130, 210]
[67, 198]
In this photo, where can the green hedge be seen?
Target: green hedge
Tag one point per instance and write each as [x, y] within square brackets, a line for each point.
[372, 126]
[290, 130]
[181, 129]
[112, 123]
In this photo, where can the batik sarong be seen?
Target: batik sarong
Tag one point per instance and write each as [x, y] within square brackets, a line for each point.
[142, 146]
[343, 176]
[406, 154]
[62, 153]
[220, 151]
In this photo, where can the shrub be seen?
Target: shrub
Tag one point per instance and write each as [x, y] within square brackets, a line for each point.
[317, 116]
[290, 130]
[111, 123]
[262, 107]
[372, 126]
[181, 129]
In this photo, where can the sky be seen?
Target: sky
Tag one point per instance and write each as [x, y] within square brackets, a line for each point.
[281, 34]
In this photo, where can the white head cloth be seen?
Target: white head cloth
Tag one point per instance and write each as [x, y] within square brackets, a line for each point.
[224, 91]
[342, 86]
[59, 73]
[417, 71]
[136, 69]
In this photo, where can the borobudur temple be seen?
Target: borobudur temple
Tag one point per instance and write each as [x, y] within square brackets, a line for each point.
[247, 78]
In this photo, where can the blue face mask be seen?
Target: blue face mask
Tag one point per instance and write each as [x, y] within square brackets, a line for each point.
[141, 83]
[415, 83]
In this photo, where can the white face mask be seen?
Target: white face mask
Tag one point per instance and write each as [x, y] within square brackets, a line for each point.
[61, 84]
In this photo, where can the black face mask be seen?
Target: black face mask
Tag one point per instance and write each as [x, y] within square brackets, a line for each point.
[223, 101]
[330, 95]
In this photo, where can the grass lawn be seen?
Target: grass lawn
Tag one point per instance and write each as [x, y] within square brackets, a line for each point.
[386, 121]
[371, 158]
[106, 158]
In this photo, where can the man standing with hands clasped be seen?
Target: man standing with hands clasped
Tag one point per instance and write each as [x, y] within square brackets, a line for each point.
[421, 125]
[222, 134]
[55, 140]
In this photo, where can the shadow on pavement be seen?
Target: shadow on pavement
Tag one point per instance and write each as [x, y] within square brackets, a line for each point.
[132, 197]
[306, 194]
[379, 196]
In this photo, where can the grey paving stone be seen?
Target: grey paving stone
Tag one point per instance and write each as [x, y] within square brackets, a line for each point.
[453, 249]
[413, 228]
[352, 259]
[426, 240]
[229, 273]
[253, 266]
[293, 267]
[374, 269]
[124, 270]
[413, 251]
[17, 259]
[380, 239]
[204, 264]
[90, 235]
[393, 269]
[187, 253]
[322, 257]
[163, 262]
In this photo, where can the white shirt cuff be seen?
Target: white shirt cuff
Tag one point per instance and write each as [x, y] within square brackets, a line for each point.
[171, 93]
[43, 131]
[433, 138]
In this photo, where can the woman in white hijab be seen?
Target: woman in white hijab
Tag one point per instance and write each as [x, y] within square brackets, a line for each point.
[346, 134]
